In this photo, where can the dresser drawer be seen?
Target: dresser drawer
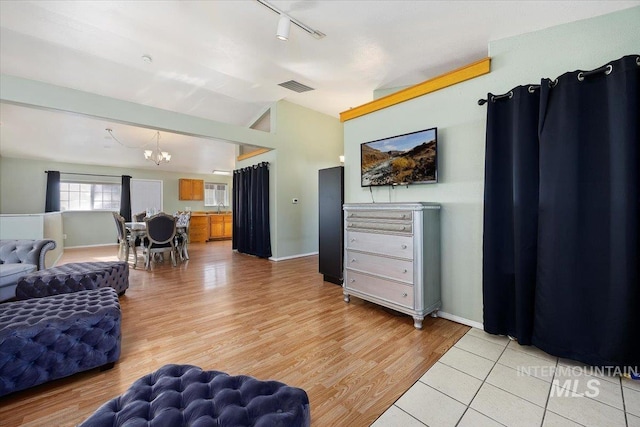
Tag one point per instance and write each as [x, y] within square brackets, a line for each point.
[380, 214]
[390, 267]
[398, 227]
[380, 288]
[385, 244]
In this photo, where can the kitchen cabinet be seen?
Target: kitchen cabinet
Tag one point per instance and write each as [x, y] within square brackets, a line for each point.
[220, 226]
[198, 228]
[191, 189]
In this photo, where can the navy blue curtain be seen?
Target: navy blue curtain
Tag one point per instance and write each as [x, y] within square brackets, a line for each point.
[510, 213]
[125, 198]
[588, 290]
[52, 197]
[586, 269]
[251, 229]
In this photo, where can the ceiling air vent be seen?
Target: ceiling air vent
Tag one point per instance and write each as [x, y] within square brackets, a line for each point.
[295, 86]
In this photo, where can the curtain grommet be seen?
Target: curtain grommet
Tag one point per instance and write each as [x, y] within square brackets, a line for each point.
[607, 70]
[509, 95]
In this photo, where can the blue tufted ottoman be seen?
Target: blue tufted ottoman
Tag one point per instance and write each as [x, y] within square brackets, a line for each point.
[43, 339]
[74, 277]
[185, 395]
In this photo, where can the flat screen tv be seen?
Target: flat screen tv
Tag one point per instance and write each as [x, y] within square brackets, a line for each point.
[406, 159]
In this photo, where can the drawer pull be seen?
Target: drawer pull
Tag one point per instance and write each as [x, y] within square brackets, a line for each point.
[353, 260]
[403, 246]
[404, 294]
[404, 271]
[352, 281]
[350, 224]
[353, 240]
[404, 228]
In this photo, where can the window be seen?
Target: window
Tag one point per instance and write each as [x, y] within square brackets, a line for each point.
[216, 194]
[86, 196]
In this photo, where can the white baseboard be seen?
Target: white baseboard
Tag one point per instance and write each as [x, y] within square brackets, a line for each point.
[90, 246]
[293, 256]
[462, 320]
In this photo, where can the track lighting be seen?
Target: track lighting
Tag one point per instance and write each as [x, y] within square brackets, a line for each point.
[285, 21]
[284, 25]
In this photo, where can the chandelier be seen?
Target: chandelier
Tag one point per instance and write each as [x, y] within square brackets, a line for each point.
[157, 156]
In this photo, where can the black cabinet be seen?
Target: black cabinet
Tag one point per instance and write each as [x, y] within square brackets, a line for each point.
[331, 242]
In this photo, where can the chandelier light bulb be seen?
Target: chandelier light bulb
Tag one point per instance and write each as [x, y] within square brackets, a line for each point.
[157, 156]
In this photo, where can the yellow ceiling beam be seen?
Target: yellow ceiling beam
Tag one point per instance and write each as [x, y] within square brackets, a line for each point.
[456, 76]
[253, 153]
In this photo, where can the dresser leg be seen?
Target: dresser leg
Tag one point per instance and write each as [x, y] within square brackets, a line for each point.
[417, 322]
[434, 313]
[346, 298]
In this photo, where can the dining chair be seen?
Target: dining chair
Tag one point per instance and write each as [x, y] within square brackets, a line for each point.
[139, 217]
[183, 219]
[161, 233]
[126, 241]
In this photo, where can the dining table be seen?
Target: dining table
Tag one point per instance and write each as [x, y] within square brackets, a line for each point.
[138, 229]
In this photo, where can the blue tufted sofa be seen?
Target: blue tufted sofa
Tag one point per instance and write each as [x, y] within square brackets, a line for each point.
[43, 339]
[25, 251]
[185, 395]
[20, 257]
[74, 277]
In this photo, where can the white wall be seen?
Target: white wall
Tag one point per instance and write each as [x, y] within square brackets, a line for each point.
[36, 227]
[22, 226]
[518, 60]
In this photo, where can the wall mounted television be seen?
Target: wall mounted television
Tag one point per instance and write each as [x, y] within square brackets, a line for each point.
[411, 158]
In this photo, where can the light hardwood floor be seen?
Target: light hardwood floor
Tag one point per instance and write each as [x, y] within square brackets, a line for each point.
[243, 315]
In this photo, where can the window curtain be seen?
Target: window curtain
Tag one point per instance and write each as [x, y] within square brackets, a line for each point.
[52, 197]
[125, 198]
[510, 213]
[586, 269]
[251, 228]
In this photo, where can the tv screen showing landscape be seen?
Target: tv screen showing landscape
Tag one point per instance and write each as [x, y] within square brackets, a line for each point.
[400, 160]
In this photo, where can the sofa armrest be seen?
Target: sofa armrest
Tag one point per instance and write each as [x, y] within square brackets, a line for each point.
[25, 251]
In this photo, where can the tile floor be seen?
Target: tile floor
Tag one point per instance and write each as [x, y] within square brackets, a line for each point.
[486, 380]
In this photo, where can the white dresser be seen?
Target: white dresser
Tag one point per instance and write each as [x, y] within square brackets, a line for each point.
[392, 256]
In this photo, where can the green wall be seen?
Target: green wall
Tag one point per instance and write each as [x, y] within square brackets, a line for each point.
[461, 131]
[306, 141]
[23, 186]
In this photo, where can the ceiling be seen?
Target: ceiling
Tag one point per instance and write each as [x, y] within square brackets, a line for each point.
[220, 60]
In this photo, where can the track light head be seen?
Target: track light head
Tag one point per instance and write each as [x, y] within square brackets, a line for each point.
[284, 25]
